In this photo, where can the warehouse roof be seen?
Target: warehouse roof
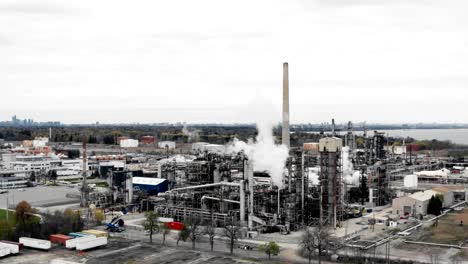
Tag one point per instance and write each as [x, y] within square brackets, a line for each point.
[423, 196]
[147, 181]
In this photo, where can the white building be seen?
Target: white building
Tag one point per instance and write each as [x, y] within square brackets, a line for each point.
[214, 148]
[40, 142]
[167, 144]
[416, 203]
[31, 163]
[128, 143]
[7, 159]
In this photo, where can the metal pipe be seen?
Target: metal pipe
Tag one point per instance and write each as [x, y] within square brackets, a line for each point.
[242, 202]
[249, 172]
[231, 184]
[219, 199]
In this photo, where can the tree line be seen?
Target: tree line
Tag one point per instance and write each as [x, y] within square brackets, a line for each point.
[25, 222]
[194, 228]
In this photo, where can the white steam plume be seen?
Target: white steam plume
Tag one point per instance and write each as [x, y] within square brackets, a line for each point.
[314, 176]
[192, 135]
[265, 154]
[350, 176]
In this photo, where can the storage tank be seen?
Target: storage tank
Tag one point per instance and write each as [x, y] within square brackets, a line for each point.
[411, 181]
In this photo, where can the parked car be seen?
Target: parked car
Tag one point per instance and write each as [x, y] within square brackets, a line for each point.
[245, 247]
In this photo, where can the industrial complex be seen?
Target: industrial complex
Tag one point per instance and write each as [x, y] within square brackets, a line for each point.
[375, 198]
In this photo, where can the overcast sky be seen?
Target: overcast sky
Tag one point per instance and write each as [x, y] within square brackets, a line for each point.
[204, 61]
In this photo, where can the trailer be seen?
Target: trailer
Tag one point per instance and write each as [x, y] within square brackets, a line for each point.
[19, 245]
[96, 233]
[4, 251]
[72, 242]
[59, 239]
[14, 249]
[97, 242]
[35, 243]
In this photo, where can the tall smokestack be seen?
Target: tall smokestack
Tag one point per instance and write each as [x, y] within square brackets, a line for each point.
[285, 134]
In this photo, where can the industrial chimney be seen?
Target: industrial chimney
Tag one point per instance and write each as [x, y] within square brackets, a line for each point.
[285, 132]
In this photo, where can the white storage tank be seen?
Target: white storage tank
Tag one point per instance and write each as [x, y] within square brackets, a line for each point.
[411, 181]
[331, 144]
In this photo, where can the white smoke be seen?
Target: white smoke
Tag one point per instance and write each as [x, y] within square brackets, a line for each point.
[313, 174]
[265, 154]
[350, 176]
[193, 135]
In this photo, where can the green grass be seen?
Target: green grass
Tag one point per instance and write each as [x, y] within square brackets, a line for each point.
[11, 216]
[102, 184]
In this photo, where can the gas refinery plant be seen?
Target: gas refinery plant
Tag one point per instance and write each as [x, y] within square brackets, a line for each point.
[262, 185]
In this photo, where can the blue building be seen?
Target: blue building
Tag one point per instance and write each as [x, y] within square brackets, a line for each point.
[152, 186]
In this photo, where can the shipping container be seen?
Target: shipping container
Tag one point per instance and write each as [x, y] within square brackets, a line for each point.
[96, 233]
[35, 243]
[72, 242]
[20, 246]
[175, 225]
[14, 249]
[97, 242]
[59, 239]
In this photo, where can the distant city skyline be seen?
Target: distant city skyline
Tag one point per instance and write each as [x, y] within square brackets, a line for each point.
[20, 121]
[204, 61]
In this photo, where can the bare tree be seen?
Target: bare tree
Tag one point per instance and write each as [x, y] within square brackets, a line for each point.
[194, 229]
[232, 233]
[165, 230]
[307, 244]
[210, 230]
[316, 241]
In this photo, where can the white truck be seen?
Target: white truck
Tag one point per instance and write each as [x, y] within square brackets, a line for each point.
[35, 243]
[14, 249]
[97, 242]
[72, 242]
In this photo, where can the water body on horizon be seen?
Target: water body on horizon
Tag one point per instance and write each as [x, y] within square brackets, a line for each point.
[458, 136]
